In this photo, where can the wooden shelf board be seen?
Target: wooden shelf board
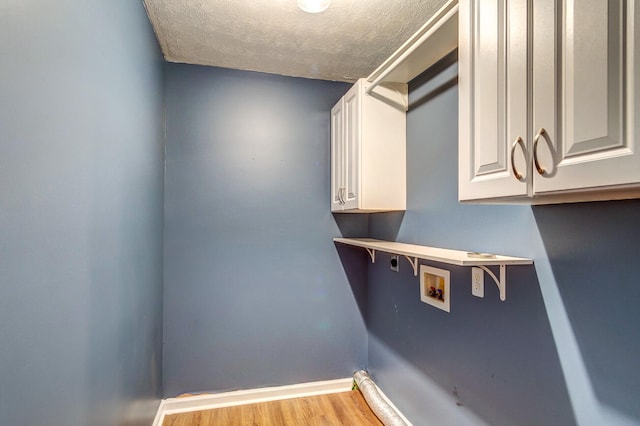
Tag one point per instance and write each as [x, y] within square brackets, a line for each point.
[452, 257]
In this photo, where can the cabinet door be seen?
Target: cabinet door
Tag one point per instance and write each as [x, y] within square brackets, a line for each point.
[585, 56]
[337, 155]
[351, 151]
[493, 100]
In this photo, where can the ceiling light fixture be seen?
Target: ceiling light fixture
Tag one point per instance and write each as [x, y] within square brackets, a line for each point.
[313, 6]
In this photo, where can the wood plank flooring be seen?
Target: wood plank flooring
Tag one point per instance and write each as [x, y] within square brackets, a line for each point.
[344, 408]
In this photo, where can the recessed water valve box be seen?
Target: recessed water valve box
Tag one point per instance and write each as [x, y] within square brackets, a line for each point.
[434, 287]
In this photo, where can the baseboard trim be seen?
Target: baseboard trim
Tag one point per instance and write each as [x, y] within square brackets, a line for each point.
[252, 396]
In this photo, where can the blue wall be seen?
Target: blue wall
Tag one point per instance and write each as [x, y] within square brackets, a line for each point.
[564, 346]
[81, 166]
[255, 293]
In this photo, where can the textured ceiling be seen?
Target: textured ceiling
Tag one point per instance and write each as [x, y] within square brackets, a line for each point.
[347, 41]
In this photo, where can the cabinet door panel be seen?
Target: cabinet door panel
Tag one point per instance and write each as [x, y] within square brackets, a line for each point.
[337, 155]
[351, 124]
[493, 97]
[517, 109]
[489, 87]
[592, 74]
[588, 85]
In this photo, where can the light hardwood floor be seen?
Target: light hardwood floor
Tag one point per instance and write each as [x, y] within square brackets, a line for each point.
[344, 408]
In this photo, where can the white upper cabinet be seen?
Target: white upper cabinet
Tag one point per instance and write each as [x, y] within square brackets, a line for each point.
[549, 94]
[585, 98]
[368, 149]
[493, 108]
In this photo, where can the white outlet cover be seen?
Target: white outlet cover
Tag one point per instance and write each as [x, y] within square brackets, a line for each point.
[477, 282]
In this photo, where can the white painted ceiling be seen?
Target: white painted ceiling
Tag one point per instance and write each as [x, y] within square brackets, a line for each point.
[347, 41]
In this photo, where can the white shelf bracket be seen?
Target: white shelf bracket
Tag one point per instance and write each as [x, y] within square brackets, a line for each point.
[414, 264]
[501, 283]
[372, 254]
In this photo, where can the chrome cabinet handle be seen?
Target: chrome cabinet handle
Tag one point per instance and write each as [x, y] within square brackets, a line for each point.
[517, 142]
[341, 196]
[539, 168]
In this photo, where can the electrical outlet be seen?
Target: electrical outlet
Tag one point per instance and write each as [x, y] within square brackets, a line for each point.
[394, 263]
[477, 282]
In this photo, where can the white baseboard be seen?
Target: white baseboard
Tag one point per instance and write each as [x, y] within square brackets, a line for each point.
[229, 399]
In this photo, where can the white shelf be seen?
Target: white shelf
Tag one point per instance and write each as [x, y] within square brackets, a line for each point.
[436, 38]
[453, 257]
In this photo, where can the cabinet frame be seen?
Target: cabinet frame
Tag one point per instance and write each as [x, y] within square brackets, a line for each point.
[368, 149]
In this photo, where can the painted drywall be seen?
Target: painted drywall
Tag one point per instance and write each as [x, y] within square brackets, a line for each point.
[562, 349]
[255, 292]
[594, 256]
[81, 196]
